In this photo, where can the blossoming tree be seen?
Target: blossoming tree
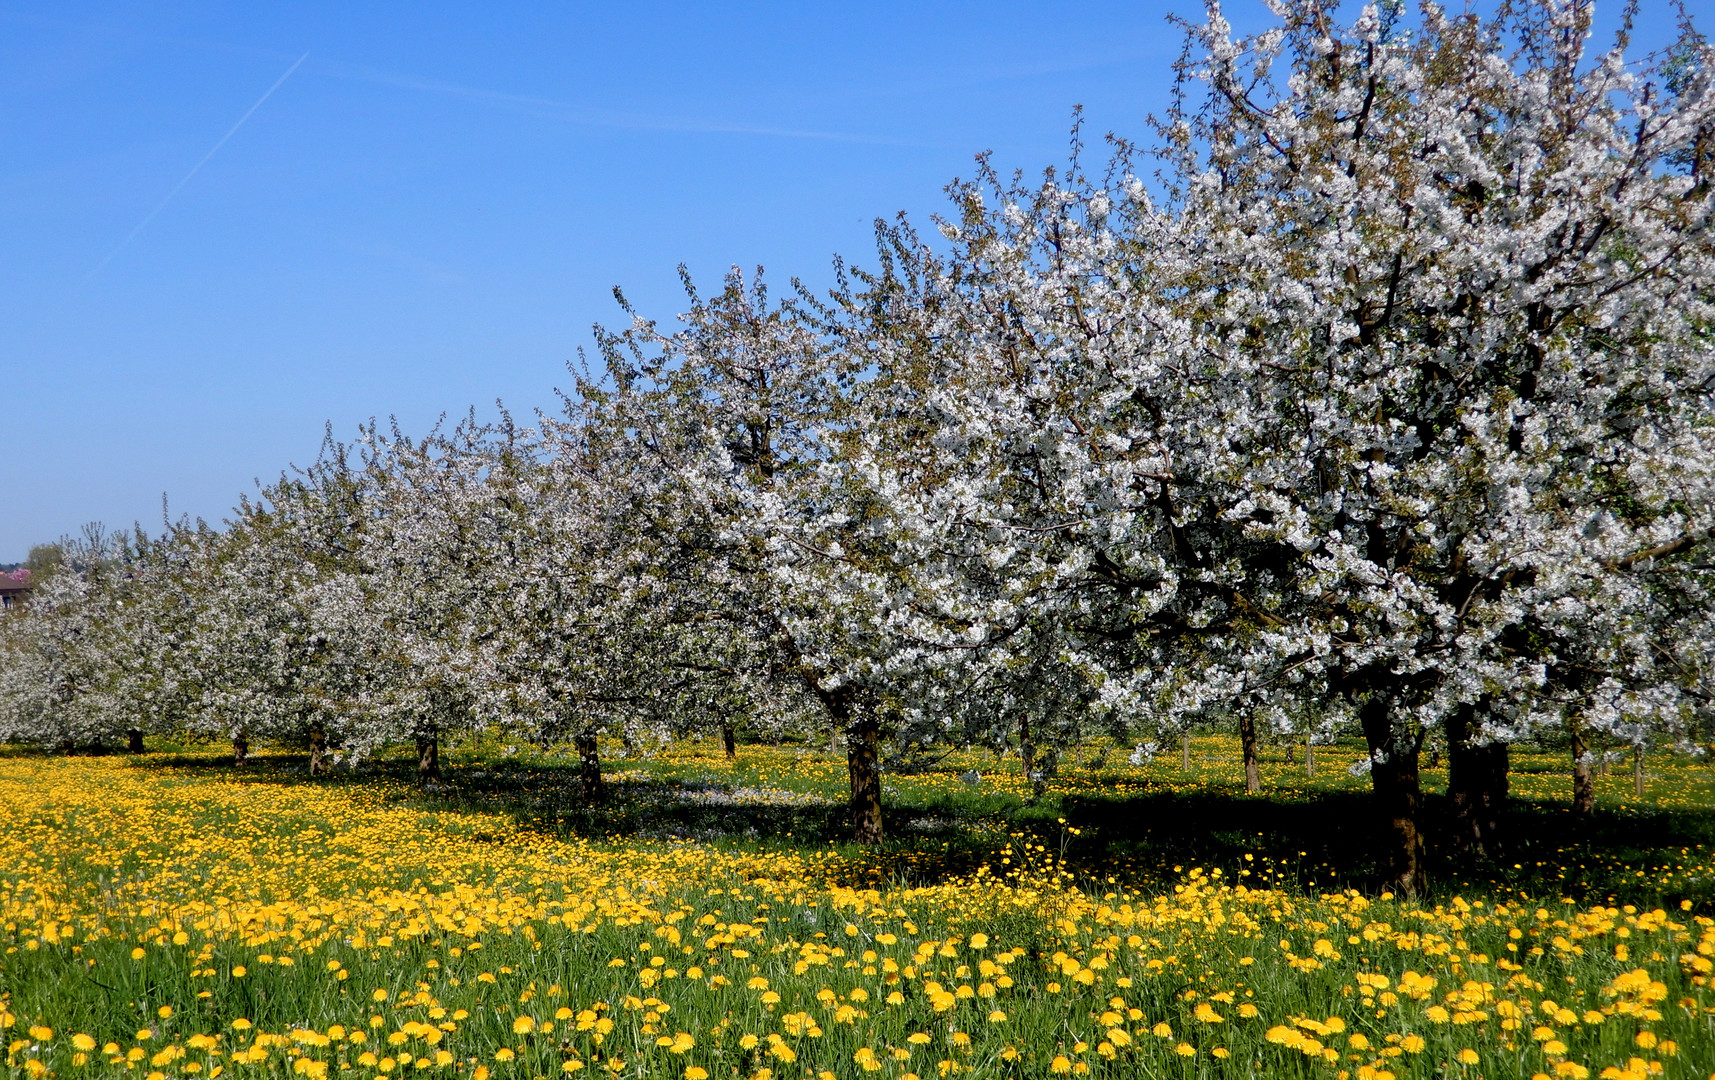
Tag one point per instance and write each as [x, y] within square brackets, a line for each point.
[1391, 396]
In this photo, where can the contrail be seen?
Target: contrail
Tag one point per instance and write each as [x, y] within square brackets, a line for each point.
[162, 205]
[580, 114]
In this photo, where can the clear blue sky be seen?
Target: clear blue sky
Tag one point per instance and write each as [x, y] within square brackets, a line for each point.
[432, 210]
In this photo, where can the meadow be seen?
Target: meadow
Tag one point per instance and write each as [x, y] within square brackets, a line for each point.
[170, 915]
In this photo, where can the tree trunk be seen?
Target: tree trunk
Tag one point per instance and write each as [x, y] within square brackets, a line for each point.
[240, 749]
[133, 741]
[1185, 753]
[863, 761]
[729, 741]
[1638, 771]
[863, 758]
[428, 753]
[1026, 748]
[1309, 758]
[1399, 797]
[1247, 742]
[589, 768]
[1477, 784]
[1583, 784]
[318, 750]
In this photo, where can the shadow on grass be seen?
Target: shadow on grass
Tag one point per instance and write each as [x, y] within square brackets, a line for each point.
[1320, 841]
[1337, 840]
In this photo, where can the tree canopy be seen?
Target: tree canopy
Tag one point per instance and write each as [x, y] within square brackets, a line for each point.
[1372, 394]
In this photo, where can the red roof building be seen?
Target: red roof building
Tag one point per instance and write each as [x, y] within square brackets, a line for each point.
[14, 588]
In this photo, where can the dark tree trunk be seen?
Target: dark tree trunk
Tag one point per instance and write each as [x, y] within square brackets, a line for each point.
[1638, 771]
[729, 741]
[1026, 748]
[1583, 784]
[1247, 742]
[1185, 753]
[133, 741]
[1309, 759]
[863, 761]
[589, 768]
[318, 750]
[1477, 784]
[240, 749]
[428, 753]
[1399, 797]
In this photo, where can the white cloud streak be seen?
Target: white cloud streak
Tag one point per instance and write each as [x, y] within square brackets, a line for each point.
[594, 117]
[162, 205]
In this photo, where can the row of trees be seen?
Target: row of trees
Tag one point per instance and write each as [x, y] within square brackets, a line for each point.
[1373, 396]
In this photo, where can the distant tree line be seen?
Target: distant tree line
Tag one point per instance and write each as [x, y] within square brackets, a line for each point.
[1372, 396]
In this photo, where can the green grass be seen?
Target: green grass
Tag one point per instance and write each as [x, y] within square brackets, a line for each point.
[1161, 889]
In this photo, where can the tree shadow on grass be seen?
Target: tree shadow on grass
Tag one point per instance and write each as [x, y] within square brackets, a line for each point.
[1337, 840]
[1317, 841]
[547, 797]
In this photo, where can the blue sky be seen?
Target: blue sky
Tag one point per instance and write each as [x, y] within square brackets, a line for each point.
[433, 208]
